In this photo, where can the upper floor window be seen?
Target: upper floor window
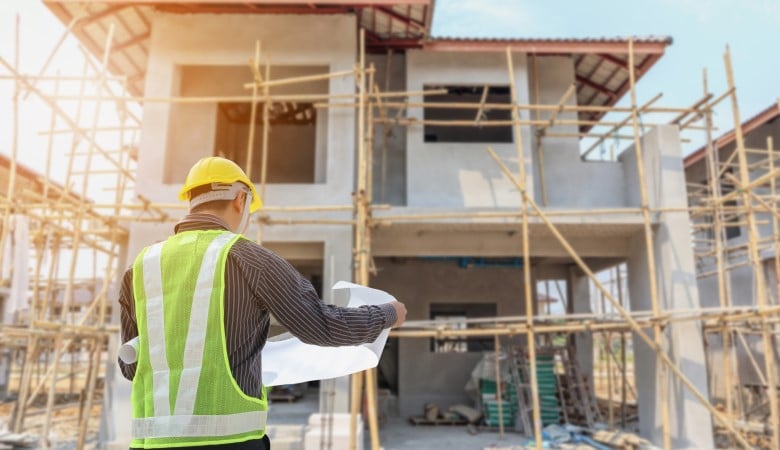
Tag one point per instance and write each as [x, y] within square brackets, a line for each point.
[482, 130]
[296, 135]
[292, 139]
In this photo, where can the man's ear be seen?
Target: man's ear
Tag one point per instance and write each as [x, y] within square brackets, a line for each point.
[238, 202]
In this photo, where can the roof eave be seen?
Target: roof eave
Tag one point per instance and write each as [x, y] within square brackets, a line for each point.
[727, 138]
[536, 46]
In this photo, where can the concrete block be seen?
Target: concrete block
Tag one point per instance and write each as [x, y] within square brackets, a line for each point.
[333, 429]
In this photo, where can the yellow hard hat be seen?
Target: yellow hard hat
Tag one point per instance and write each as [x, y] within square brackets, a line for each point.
[215, 169]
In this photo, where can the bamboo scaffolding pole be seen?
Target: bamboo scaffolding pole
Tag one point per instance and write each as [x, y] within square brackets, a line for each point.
[695, 107]
[84, 188]
[92, 374]
[248, 98]
[94, 365]
[751, 357]
[631, 322]
[368, 148]
[762, 152]
[414, 121]
[520, 106]
[775, 222]
[57, 345]
[250, 145]
[542, 130]
[20, 407]
[387, 132]
[760, 284]
[268, 83]
[594, 320]
[481, 107]
[14, 147]
[51, 103]
[527, 280]
[69, 130]
[265, 149]
[359, 254]
[539, 149]
[718, 233]
[616, 127]
[499, 402]
[94, 368]
[59, 78]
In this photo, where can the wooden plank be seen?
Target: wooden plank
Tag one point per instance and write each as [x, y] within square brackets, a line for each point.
[421, 420]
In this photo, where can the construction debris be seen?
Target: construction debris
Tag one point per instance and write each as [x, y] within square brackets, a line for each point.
[18, 440]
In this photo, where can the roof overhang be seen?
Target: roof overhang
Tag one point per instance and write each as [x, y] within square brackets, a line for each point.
[601, 65]
[389, 24]
[727, 138]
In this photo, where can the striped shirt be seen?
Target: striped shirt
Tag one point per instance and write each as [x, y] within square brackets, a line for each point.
[259, 283]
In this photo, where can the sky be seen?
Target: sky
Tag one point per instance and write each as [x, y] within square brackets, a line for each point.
[701, 29]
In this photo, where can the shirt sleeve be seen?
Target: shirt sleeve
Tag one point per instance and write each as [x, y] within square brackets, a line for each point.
[295, 304]
[129, 326]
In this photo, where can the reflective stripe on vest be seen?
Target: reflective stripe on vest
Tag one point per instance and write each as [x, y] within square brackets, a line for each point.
[183, 422]
[194, 426]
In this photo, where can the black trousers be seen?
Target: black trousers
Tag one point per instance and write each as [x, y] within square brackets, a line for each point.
[255, 444]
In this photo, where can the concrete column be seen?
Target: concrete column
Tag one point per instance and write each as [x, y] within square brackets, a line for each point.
[578, 287]
[334, 393]
[691, 424]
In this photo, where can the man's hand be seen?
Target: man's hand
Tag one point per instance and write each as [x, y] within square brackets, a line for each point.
[400, 313]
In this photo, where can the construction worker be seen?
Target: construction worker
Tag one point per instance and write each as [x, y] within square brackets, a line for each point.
[200, 303]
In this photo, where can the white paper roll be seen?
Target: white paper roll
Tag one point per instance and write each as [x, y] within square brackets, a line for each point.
[290, 361]
[128, 352]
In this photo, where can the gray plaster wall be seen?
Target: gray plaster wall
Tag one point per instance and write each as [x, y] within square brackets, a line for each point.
[389, 150]
[440, 378]
[578, 287]
[565, 173]
[741, 282]
[455, 175]
[691, 424]
[185, 40]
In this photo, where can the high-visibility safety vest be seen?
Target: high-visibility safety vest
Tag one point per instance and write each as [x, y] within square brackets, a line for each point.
[184, 393]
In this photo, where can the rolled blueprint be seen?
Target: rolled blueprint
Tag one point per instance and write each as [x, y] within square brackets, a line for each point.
[290, 361]
[128, 352]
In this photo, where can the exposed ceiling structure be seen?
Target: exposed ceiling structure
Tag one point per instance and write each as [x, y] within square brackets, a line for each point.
[601, 65]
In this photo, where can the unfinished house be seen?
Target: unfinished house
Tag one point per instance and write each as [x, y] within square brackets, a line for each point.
[450, 172]
[731, 258]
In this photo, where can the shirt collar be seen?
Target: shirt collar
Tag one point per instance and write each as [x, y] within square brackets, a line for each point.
[200, 221]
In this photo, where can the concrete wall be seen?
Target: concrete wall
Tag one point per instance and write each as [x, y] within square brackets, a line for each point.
[462, 174]
[389, 162]
[578, 287]
[185, 40]
[565, 173]
[691, 425]
[425, 376]
[453, 175]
